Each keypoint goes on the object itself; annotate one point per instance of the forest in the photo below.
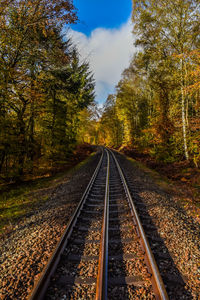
(156, 107)
(43, 85)
(47, 94)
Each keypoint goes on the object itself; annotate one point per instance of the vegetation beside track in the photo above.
(19, 199)
(185, 191)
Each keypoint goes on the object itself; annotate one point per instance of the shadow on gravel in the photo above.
(175, 284)
(73, 265)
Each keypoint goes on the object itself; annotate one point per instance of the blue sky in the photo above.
(101, 13)
(104, 39)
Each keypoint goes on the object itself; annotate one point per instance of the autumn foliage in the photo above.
(43, 85)
(156, 107)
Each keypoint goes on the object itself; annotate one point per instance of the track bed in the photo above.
(104, 253)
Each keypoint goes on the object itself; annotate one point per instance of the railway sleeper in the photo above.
(86, 229)
(128, 280)
(91, 200)
(149, 227)
(83, 218)
(82, 241)
(64, 280)
(122, 218)
(76, 257)
(121, 241)
(126, 256)
(93, 205)
(116, 229)
(121, 204)
(91, 212)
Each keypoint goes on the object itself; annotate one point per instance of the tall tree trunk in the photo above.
(183, 113)
(186, 96)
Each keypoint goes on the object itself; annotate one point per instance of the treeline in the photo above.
(43, 85)
(156, 107)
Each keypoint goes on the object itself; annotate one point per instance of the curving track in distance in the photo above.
(104, 253)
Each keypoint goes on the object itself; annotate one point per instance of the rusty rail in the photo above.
(102, 277)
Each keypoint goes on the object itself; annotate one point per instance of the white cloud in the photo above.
(109, 52)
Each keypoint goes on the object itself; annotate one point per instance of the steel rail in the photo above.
(102, 277)
(157, 282)
(41, 285)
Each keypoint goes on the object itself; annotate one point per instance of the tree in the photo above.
(164, 29)
(110, 127)
(43, 84)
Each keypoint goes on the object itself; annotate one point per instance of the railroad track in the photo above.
(104, 253)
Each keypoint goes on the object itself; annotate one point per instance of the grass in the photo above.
(19, 199)
(159, 179)
(186, 201)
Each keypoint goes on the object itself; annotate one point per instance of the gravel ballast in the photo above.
(26, 250)
(178, 230)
